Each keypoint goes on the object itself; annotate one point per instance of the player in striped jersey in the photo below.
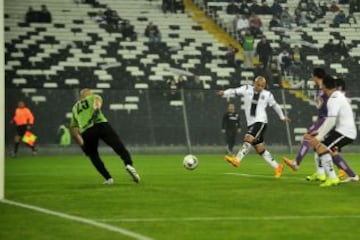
(256, 100)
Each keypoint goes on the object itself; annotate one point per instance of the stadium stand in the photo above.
(75, 51)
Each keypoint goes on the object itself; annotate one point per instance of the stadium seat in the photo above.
(299, 132)
(72, 81)
(176, 103)
(131, 107)
(50, 85)
(223, 83)
(28, 91)
(38, 99)
(103, 85)
(116, 106)
(134, 99)
(19, 81)
(141, 86)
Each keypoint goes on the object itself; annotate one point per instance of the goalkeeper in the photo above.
(89, 125)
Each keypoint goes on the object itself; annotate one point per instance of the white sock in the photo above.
(326, 161)
(319, 165)
(269, 159)
(244, 150)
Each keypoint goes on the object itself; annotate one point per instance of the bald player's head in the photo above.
(259, 83)
(85, 92)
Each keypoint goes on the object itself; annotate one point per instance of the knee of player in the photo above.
(260, 148)
(249, 138)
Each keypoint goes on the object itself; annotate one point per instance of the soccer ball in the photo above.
(190, 162)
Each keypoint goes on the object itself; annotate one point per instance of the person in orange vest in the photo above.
(23, 120)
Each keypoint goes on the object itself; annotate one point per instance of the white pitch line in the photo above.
(258, 176)
(206, 219)
(78, 219)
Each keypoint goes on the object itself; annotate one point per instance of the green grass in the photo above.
(174, 203)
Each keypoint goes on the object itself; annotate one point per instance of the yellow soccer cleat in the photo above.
(278, 171)
(232, 160)
(316, 177)
(330, 182)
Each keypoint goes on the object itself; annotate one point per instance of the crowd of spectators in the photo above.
(38, 16)
(172, 6)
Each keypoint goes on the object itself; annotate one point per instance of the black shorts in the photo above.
(257, 130)
(100, 131)
(335, 141)
(21, 129)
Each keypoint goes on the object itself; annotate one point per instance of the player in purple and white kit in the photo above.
(319, 175)
(337, 130)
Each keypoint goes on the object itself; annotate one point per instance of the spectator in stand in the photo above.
(301, 20)
(310, 17)
(31, 15)
(342, 49)
(232, 8)
(264, 51)
(351, 19)
(248, 46)
(153, 33)
(197, 84)
(172, 6)
(339, 18)
(99, 17)
(284, 61)
(274, 22)
(127, 31)
(286, 18)
(314, 9)
(44, 15)
(296, 61)
(255, 8)
(93, 3)
(181, 82)
(334, 7)
(242, 24)
(276, 8)
(173, 94)
(354, 6)
(329, 48)
(168, 5)
(244, 9)
(323, 8)
(179, 5)
(231, 56)
(112, 18)
(255, 25)
(264, 8)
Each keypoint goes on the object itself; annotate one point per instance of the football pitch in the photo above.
(62, 197)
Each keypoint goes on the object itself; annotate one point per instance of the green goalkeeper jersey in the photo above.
(83, 114)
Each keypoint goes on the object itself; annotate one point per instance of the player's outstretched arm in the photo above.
(75, 133)
(286, 119)
(220, 93)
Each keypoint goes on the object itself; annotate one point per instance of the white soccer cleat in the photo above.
(109, 181)
(351, 179)
(132, 171)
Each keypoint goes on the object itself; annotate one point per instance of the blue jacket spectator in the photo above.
(339, 18)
